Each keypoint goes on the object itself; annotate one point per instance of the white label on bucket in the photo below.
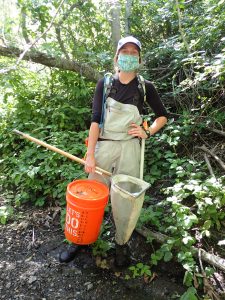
(71, 231)
(73, 222)
(73, 212)
(76, 222)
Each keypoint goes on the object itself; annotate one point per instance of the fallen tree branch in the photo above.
(216, 131)
(212, 259)
(159, 237)
(220, 162)
(208, 165)
(50, 61)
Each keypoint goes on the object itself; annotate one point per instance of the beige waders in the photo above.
(120, 152)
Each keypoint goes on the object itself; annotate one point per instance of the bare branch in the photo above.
(220, 162)
(208, 165)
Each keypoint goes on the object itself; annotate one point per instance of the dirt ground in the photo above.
(29, 266)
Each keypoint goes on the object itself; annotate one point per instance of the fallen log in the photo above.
(212, 259)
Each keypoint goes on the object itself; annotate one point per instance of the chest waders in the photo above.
(119, 153)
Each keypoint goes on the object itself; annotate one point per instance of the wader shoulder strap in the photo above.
(108, 82)
(141, 85)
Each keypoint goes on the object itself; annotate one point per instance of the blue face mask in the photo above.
(128, 63)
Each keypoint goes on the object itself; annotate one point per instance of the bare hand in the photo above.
(137, 131)
(90, 163)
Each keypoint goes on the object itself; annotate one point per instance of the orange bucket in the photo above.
(86, 200)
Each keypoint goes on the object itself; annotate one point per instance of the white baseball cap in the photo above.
(128, 39)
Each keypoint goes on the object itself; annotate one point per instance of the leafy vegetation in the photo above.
(42, 111)
(139, 270)
(183, 55)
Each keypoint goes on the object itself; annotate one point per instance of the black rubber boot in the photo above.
(69, 254)
(122, 256)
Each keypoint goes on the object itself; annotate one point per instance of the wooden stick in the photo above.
(203, 148)
(209, 165)
(53, 148)
(207, 257)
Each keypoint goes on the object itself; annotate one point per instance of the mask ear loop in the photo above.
(115, 63)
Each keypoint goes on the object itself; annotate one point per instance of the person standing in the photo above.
(116, 127)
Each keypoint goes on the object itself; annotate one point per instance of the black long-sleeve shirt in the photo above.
(125, 93)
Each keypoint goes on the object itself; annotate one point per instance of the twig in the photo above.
(209, 165)
(200, 261)
(33, 237)
(220, 162)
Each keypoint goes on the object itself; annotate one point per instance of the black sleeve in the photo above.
(154, 101)
(97, 102)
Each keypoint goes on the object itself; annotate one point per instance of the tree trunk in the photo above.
(115, 23)
(127, 16)
(50, 61)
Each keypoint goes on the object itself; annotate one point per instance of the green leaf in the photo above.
(168, 256)
(189, 294)
(148, 272)
(207, 224)
(188, 278)
(32, 172)
(3, 220)
(140, 265)
(188, 240)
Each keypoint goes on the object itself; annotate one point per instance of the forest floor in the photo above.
(29, 266)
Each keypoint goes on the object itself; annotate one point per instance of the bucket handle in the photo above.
(82, 173)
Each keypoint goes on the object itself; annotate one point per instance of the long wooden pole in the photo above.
(53, 148)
